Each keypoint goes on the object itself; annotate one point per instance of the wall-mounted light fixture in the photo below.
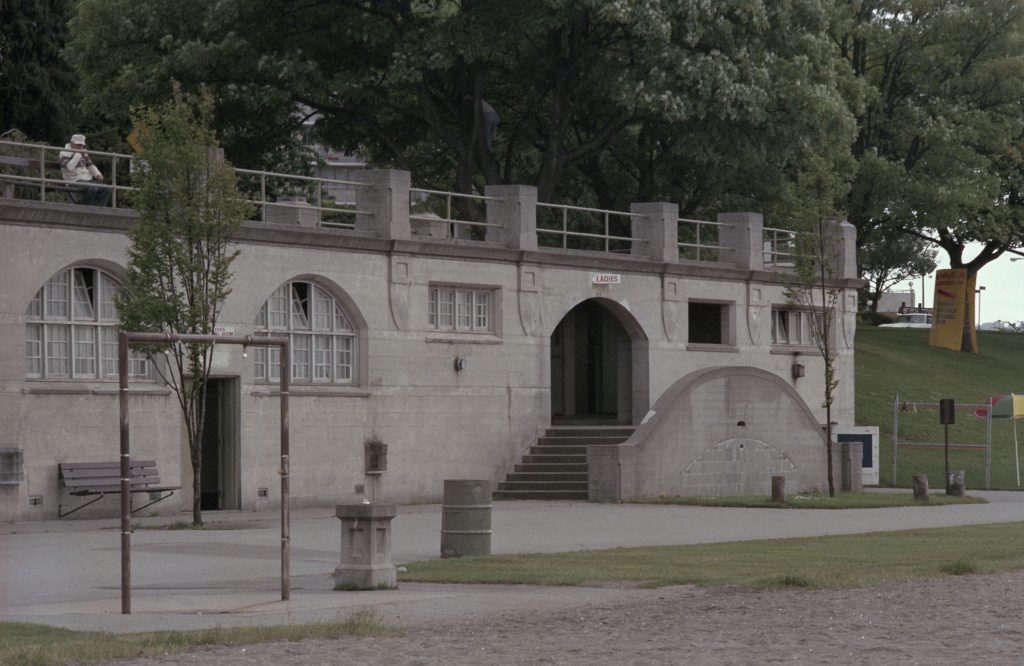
(797, 370)
(460, 364)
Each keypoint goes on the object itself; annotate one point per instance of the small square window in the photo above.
(12, 467)
(707, 323)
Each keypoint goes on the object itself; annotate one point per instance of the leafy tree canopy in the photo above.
(707, 104)
(38, 91)
(939, 144)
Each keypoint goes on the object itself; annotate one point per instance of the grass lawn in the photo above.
(899, 361)
(821, 501)
(36, 644)
(823, 562)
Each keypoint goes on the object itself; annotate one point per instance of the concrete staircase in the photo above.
(556, 466)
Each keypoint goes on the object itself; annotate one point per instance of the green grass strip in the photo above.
(24, 644)
(820, 501)
(847, 561)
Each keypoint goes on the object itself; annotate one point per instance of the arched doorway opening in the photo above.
(598, 366)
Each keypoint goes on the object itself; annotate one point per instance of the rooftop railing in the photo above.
(386, 206)
(699, 240)
(589, 229)
(441, 214)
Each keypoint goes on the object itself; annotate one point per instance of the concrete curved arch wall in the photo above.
(718, 431)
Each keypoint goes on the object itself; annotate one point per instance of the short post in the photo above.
(365, 547)
(920, 483)
(947, 417)
(658, 229)
(779, 489)
(466, 518)
(956, 483)
(514, 208)
(383, 204)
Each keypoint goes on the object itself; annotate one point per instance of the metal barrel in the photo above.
(466, 518)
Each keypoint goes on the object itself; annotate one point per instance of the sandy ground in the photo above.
(976, 619)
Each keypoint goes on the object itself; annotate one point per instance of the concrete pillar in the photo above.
(844, 235)
(745, 234)
(292, 210)
(365, 547)
(385, 202)
(659, 228)
(516, 212)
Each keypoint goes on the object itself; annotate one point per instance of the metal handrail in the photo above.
(772, 238)
(453, 223)
(605, 214)
(261, 198)
(701, 246)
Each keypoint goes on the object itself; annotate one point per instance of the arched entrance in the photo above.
(598, 366)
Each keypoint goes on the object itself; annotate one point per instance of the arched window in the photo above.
(321, 333)
(72, 328)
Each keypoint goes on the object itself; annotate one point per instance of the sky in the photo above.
(1003, 297)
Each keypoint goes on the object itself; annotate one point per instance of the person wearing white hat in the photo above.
(77, 167)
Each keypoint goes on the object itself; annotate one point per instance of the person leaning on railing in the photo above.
(76, 167)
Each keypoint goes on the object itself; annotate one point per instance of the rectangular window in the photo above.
(83, 295)
(455, 309)
(300, 357)
(343, 359)
(259, 366)
(707, 323)
(482, 308)
(107, 288)
(275, 362)
(85, 351)
(323, 307)
(57, 350)
(321, 357)
(108, 351)
(57, 296)
(446, 309)
(12, 467)
(35, 306)
(464, 310)
(34, 350)
(794, 327)
(138, 364)
(279, 308)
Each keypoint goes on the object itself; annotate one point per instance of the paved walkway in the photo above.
(67, 573)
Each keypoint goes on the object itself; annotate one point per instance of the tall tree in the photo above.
(38, 90)
(891, 259)
(940, 129)
(179, 261)
(705, 104)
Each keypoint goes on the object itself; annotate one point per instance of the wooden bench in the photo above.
(31, 169)
(104, 478)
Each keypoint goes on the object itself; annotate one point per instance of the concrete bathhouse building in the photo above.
(456, 350)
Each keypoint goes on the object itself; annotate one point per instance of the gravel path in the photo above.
(976, 619)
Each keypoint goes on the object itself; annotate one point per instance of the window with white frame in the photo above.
(71, 329)
(792, 327)
(461, 309)
(322, 338)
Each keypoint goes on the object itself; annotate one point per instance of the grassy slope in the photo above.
(899, 361)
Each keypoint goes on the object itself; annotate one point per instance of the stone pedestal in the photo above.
(955, 484)
(365, 547)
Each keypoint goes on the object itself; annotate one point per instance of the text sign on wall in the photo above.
(605, 278)
(221, 329)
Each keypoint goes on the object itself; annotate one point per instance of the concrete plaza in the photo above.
(67, 573)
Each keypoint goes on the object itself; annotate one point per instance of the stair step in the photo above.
(540, 494)
(581, 441)
(535, 468)
(547, 476)
(544, 458)
(551, 449)
(590, 431)
(543, 485)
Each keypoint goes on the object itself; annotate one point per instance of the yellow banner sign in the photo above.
(954, 308)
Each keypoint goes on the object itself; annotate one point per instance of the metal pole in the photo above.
(126, 512)
(895, 428)
(988, 447)
(945, 449)
(285, 484)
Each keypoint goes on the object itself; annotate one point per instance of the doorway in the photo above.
(592, 368)
(219, 477)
